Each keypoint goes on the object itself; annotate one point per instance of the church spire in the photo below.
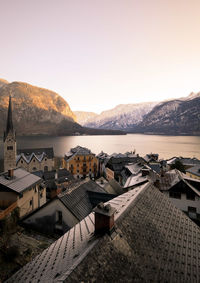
(9, 127)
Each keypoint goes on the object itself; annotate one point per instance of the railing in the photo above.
(8, 210)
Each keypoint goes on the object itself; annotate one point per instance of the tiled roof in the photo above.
(194, 170)
(135, 180)
(77, 200)
(79, 150)
(22, 180)
(37, 151)
(153, 242)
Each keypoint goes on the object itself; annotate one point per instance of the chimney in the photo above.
(104, 218)
(10, 173)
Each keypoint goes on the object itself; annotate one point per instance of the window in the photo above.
(78, 158)
(33, 160)
(77, 171)
(34, 169)
(41, 195)
(45, 168)
(175, 195)
(22, 162)
(59, 217)
(45, 159)
(190, 195)
(9, 147)
(31, 202)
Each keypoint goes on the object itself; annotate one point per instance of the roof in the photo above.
(78, 150)
(63, 175)
(134, 180)
(134, 168)
(113, 187)
(153, 242)
(48, 151)
(173, 177)
(184, 160)
(77, 200)
(22, 180)
(194, 170)
(156, 167)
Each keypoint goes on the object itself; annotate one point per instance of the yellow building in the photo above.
(81, 162)
(19, 188)
(194, 172)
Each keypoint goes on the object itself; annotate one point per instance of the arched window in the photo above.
(45, 168)
(34, 169)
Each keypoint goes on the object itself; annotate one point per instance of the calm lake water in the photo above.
(165, 146)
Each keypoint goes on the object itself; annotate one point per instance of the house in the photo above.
(152, 157)
(56, 181)
(81, 162)
(103, 159)
(117, 162)
(35, 159)
(181, 192)
(143, 238)
(21, 189)
(68, 208)
(194, 172)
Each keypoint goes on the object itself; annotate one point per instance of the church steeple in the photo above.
(9, 141)
(9, 127)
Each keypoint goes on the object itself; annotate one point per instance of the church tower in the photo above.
(9, 141)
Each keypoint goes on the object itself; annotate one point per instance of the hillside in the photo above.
(120, 117)
(39, 111)
(36, 110)
(178, 116)
(83, 116)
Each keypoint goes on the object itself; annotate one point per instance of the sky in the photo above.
(100, 53)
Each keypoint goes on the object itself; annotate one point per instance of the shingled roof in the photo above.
(153, 242)
(21, 181)
(39, 153)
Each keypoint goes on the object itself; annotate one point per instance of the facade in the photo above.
(35, 159)
(9, 141)
(181, 193)
(81, 162)
(22, 188)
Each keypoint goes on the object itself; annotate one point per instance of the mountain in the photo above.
(178, 116)
(3, 82)
(35, 110)
(39, 111)
(120, 117)
(83, 117)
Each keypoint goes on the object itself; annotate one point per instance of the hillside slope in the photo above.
(35, 110)
(179, 116)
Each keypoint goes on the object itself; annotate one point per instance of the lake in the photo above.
(165, 146)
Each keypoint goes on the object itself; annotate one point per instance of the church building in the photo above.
(30, 159)
(9, 142)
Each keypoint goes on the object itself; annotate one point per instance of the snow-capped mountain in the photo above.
(178, 116)
(121, 117)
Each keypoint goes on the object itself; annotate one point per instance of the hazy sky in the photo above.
(100, 53)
